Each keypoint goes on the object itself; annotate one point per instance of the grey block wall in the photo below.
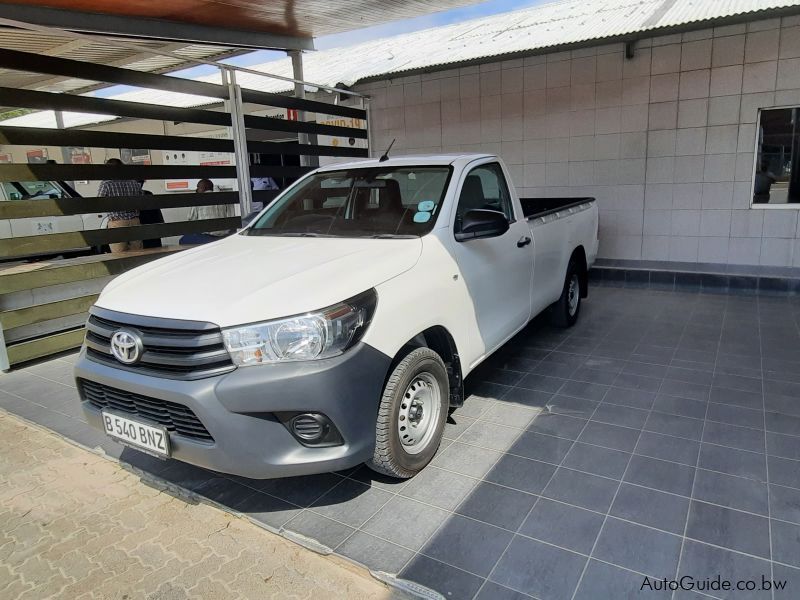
(665, 141)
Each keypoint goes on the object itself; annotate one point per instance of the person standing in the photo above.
(121, 218)
(202, 213)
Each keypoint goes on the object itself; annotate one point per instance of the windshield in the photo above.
(23, 190)
(370, 202)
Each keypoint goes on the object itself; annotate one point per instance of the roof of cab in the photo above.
(413, 160)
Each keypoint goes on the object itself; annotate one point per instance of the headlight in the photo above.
(314, 335)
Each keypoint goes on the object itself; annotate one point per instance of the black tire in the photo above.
(391, 457)
(563, 313)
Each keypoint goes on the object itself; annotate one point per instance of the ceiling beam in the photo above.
(139, 27)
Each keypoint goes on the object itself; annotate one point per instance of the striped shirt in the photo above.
(128, 187)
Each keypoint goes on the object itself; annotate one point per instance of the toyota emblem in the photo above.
(126, 346)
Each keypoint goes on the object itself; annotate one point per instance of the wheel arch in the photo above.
(441, 341)
(579, 256)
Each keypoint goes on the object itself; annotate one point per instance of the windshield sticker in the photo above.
(425, 206)
(422, 217)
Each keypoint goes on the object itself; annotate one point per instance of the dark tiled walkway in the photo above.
(660, 436)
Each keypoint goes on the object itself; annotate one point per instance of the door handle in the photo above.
(523, 241)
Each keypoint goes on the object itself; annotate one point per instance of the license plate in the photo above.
(139, 435)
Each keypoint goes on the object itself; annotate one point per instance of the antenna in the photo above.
(385, 156)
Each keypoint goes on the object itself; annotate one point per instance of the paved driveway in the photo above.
(658, 438)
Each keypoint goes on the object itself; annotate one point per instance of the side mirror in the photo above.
(480, 223)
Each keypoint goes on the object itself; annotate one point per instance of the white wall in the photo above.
(665, 141)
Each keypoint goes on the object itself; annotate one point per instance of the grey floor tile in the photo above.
(572, 406)
(631, 398)
(784, 503)
(468, 544)
(733, 462)
(610, 436)
(729, 528)
(525, 397)
(489, 435)
(667, 447)
(680, 406)
(737, 398)
(596, 376)
(351, 502)
(786, 543)
(301, 491)
(736, 415)
(596, 460)
(558, 425)
(737, 382)
(702, 558)
(620, 415)
(733, 436)
(784, 471)
(267, 509)
(466, 460)
(225, 491)
(542, 447)
(500, 376)
(682, 389)
(538, 569)
(690, 375)
(325, 531)
(521, 473)
(406, 522)
(651, 507)
(638, 548)
(563, 525)
(456, 425)
(786, 405)
(646, 369)
(497, 505)
(781, 423)
(730, 491)
(440, 488)
(581, 489)
(494, 591)
(375, 553)
(479, 396)
(660, 475)
(582, 389)
(447, 580)
(678, 426)
(543, 383)
(503, 413)
(637, 382)
(602, 581)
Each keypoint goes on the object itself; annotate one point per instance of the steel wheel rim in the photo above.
(573, 294)
(419, 412)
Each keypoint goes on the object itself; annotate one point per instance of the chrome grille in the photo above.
(175, 352)
(177, 418)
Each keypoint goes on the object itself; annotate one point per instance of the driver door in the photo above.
(496, 270)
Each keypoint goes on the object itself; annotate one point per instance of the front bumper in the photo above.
(238, 408)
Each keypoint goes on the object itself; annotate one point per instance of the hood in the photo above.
(244, 279)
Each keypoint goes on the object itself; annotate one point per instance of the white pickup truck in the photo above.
(337, 328)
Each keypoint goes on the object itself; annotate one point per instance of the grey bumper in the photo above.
(237, 410)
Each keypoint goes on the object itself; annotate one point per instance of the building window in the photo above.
(777, 170)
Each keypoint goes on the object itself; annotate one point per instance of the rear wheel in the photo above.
(565, 310)
(412, 414)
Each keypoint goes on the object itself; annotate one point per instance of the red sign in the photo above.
(291, 114)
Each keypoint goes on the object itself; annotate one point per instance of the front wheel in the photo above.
(412, 415)
(565, 310)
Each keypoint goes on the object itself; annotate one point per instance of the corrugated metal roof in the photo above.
(533, 29)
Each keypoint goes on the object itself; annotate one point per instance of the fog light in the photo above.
(310, 427)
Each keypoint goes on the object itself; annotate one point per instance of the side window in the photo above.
(484, 188)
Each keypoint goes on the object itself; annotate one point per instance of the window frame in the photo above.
(751, 192)
(502, 174)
